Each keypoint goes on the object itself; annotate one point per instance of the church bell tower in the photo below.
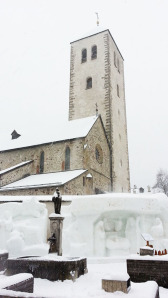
(97, 80)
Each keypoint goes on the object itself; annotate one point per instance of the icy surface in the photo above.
(112, 224)
(23, 228)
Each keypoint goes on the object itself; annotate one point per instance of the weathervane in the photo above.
(97, 18)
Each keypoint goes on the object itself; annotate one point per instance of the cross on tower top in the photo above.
(97, 18)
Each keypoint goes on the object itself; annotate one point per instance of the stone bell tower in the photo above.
(97, 79)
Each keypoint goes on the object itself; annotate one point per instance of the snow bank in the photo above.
(6, 281)
(23, 228)
(112, 224)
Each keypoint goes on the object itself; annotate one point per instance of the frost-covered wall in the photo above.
(107, 225)
(23, 228)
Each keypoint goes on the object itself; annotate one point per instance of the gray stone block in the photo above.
(3, 259)
(116, 285)
(146, 251)
(141, 270)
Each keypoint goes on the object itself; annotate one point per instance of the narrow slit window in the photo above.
(118, 91)
(84, 55)
(118, 65)
(94, 52)
(42, 162)
(89, 83)
(115, 64)
(67, 158)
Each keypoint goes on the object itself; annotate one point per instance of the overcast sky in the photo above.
(35, 38)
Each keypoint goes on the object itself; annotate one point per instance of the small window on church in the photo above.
(84, 55)
(67, 158)
(83, 181)
(89, 83)
(115, 59)
(118, 65)
(118, 91)
(42, 162)
(94, 52)
(99, 153)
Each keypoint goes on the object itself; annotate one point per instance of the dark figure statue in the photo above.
(57, 202)
(52, 241)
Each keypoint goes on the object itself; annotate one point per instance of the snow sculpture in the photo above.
(23, 228)
(112, 224)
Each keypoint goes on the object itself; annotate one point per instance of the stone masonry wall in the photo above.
(15, 174)
(108, 91)
(54, 161)
(29, 191)
(82, 101)
(144, 270)
(120, 162)
(100, 171)
(54, 156)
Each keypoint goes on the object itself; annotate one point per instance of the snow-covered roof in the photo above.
(69, 130)
(15, 167)
(44, 180)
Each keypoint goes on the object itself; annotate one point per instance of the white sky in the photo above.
(35, 60)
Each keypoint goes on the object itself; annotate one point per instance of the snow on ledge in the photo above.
(146, 247)
(148, 258)
(117, 276)
(54, 215)
(15, 167)
(7, 281)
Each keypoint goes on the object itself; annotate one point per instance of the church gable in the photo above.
(97, 156)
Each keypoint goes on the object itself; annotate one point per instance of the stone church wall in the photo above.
(73, 187)
(82, 102)
(82, 156)
(108, 91)
(54, 158)
(95, 137)
(15, 174)
(100, 168)
(120, 162)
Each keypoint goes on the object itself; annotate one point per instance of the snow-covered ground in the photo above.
(89, 285)
(99, 227)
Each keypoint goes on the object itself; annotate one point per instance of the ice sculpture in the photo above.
(23, 228)
(111, 224)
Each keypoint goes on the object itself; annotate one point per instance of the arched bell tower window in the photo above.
(42, 162)
(94, 52)
(89, 83)
(67, 158)
(84, 55)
